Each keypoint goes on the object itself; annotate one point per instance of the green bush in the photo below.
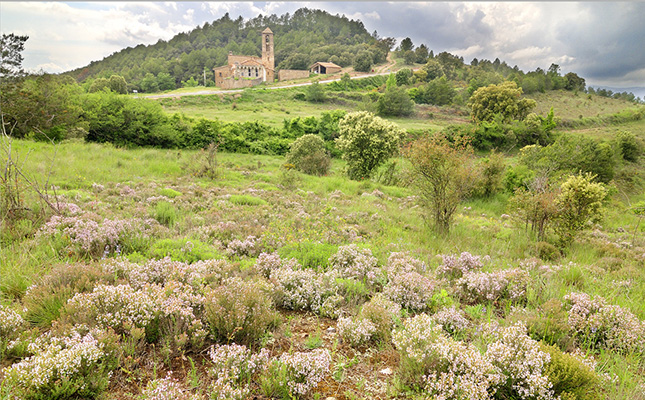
(629, 146)
(308, 154)
(183, 250)
(571, 379)
(579, 202)
(165, 213)
(239, 311)
(395, 102)
(547, 252)
(170, 193)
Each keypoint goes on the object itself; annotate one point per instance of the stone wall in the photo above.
(290, 74)
(239, 83)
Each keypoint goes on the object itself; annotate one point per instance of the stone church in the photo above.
(247, 71)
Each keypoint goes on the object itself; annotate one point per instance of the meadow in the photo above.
(268, 283)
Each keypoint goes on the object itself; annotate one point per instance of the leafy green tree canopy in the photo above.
(504, 99)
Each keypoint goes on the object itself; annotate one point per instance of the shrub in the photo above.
(395, 102)
(299, 372)
(443, 175)
(410, 290)
(10, 322)
(598, 324)
(266, 263)
(451, 320)
(165, 389)
(401, 263)
(234, 368)
(547, 251)
(301, 289)
(383, 314)
(309, 155)
(570, 376)
(354, 263)
(69, 367)
(355, 331)
(478, 287)
(366, 142)
(165, 213)
(504, 99)
(248, 247)
(239, 311)
(629, 146)
(491, 173)
(454, 268)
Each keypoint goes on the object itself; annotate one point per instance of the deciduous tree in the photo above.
(504, 99)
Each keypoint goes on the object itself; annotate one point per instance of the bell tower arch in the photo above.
(268, 57)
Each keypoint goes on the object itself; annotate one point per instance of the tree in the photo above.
(443, 175)
(11, 48)
(395, 102)
(117, 84)
(433, 69)
(308, 155)
(363, 61)
(406, 45)
(574, 82)
(315, 93)
(345, 80)
(409, 57)
(403, 76)
(366, 142)
(98, 85)
(504, 99)
(421, 54)
(165, 81)
(579, 202)
(149, 83)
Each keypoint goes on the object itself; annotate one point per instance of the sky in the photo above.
(601, 41)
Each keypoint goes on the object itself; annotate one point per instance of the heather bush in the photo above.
(166, 389)
(443, 367)
(384, 314)
(234, 368)
(401, 263)
(68, 367)
(302, 289)
(240, 311)
(295, 375)
(598, 324)
(454, 267)
(267, 262)
(355, 263)
(521, 362)
(452, 320)
(308, 154)
(480, 287)
(411, 290)
(10, 322)
(356, 331)
(571, 378)
(248, 247)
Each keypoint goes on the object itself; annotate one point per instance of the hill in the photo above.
(305, 37)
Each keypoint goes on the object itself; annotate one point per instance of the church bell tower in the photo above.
(268, 58)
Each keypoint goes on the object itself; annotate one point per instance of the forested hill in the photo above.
(301, 39)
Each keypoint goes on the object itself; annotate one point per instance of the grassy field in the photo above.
(216, 232)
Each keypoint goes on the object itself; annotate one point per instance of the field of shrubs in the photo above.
(175, 274)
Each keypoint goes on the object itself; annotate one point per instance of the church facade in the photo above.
(247, 71)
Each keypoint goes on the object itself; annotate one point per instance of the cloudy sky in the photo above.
(601, 41)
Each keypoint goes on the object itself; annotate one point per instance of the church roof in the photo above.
(250, 61)
(267, 30)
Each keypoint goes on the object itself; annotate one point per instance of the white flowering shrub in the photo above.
(234, 367)
(268, 262)
(10, 323)
(351, 262)
(247, 247)
(411, 290)
(598, 324)
(87, 236)
(239, 310)
(355, 331)
(73, 366)
(401, 263)
(304, 371)
(165, 389)
(452, 320)
(302, 289)
(444, 367)
(521, 362)
(479, 287)
(454, 267)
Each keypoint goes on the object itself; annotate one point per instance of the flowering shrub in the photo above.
(452, 320)
(234, 367)
(85, 235)
(401, 263)
(301, 289)
(410, 290)
(165, 389)
(239, 311)
(355, 331)
(73, 366)
(521, 362)
(239, 248)
(446, 368)
(10, 322)
(455, 268)
(597, 323)
(477, 287)
(268, 262)
(383, 313)
(355, 263)
(304, 370)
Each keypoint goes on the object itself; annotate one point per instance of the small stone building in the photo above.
(325, 68)
(246, 71)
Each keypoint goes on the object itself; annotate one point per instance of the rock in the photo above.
(386, 371)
